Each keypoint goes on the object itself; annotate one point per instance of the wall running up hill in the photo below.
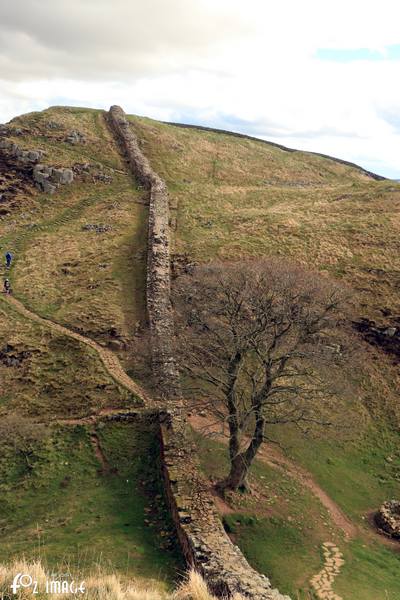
(204, 542)
(158, 258)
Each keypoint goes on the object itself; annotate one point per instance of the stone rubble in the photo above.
(75, 137)
(23, 156)
(97, 227)
(388, 518)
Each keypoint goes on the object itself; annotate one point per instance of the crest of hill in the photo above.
(281, 146)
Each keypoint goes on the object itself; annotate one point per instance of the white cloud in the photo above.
(251, 65)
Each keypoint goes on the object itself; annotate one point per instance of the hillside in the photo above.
(79, 260)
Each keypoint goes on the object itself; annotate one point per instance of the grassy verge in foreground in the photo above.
(60, 505)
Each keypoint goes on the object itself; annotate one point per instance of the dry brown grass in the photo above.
(90, 281)
(100, 586)
(241, 198)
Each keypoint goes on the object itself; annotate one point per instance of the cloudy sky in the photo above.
(320, 75)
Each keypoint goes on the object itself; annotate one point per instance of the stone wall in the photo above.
(158, 259)
(203, 540)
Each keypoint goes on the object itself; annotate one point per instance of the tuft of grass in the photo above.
(99, 585)
(63, 506)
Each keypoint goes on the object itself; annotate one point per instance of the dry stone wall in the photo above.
(158, 258)
(203, 540)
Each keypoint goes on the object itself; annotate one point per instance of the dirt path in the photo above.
(272, 456)
(322, 581)
(108, 358)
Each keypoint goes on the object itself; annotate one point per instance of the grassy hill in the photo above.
(80, 261)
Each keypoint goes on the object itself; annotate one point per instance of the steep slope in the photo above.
(236, 198)
(86, 493)
(79, 259)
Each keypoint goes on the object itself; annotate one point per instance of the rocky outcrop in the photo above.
(48, 179)
(158, 259)
(388, 518)
(203, 540)
(386, 337)
(45, 177)
(75, 137)
(24, 156)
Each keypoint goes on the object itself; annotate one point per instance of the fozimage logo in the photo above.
(50, 586)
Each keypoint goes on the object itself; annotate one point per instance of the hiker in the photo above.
(7, 286)
(8, 259)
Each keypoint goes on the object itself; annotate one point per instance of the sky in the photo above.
(318, 75)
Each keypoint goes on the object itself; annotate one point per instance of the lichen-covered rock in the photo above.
(388, 518)
(53, 125)
(24, 156)
(75, 137)
(49, 178)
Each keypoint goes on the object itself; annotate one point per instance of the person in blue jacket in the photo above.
(8, 259)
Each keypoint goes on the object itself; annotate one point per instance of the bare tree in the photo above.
(261, 344)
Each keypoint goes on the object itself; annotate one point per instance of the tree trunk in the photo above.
(237, 478)
(240, 464)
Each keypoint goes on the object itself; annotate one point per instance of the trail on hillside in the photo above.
(108, 358)
(271, 455)
(322, 581)
(98, 451)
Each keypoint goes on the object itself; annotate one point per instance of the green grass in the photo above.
(281, 527)
(233, 199)
(371, 572)
(240, 198)
(56, 376)
(358, 475)
(63, 510)
(91, 282)
(287, 558)
(60, 507)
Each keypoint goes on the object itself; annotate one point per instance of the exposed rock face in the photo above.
(24, 156)
(16, 184)
(388, 518)
(204, 542)
(386, 337)
(12, 357)
(48, 179)
(75, 137)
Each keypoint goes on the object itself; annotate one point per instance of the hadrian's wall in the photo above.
(203, 540)
(158, 258)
